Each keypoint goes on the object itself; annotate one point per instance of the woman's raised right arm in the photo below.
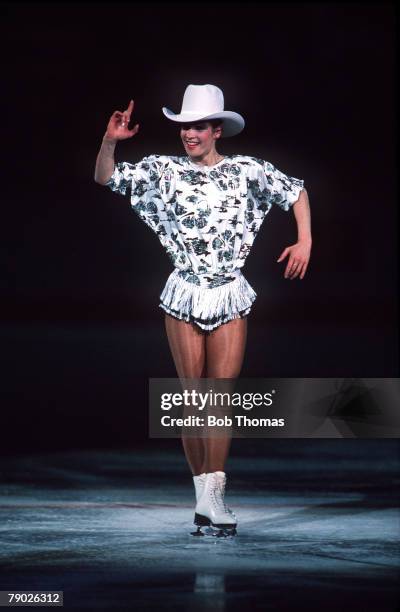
(117, 129)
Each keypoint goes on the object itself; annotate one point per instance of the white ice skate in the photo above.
(199, 486)
(211, 510)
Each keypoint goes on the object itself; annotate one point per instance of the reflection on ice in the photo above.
(210, 592)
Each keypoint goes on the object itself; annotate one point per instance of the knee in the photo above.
(223, 372)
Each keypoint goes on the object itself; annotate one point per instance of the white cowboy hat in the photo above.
(204, 102)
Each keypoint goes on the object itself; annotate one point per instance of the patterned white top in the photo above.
(206, 217)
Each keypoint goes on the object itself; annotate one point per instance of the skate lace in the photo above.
(218, 493)
(226, 508)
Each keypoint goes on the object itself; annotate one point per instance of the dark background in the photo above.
(81, 329)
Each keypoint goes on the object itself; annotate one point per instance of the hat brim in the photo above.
(233, 123)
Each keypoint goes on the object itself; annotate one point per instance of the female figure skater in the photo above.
(206, 209)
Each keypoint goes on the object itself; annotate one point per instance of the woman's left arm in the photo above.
(299, 253)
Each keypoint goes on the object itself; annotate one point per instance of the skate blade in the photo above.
(224, 532)
(215, 532)
(197, 533)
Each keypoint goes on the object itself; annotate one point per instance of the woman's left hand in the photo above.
(299, 256)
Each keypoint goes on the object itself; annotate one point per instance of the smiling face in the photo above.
(199, 138)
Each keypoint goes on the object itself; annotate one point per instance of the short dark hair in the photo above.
(216, 122)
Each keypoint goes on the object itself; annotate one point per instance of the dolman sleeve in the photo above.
(141, 183)
(283, 190)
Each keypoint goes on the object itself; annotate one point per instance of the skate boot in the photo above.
(198, 487)
(211, 511)
(222, 482)
(199, 484)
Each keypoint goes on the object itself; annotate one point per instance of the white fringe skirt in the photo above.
(208, 299)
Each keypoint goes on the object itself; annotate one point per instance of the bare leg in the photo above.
(225, 348)
(187, 344)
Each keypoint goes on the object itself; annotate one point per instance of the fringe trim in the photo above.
(208, 308)
(206, 327)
